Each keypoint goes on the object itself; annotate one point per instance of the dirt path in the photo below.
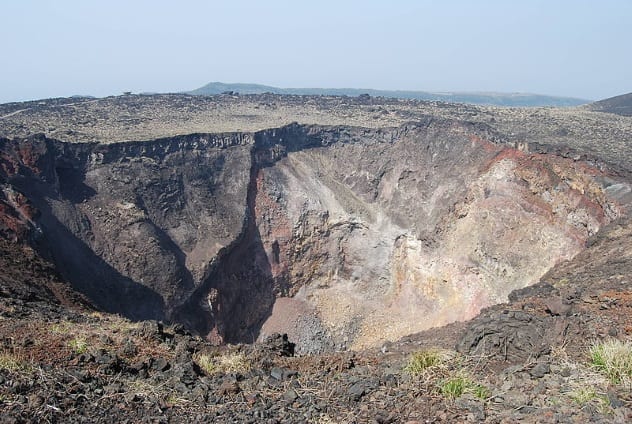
(13, 113)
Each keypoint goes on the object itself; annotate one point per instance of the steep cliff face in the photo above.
(342, 237)
(134, 225)
(395, 232)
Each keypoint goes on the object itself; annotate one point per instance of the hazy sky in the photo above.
(54, 48)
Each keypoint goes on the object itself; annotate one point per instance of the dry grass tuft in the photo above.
(459, 384)
(230, 362)
(14, 362)
(584, 396)
(428, 360)
(613, 358)
(423, 360)
(445, 372)
(78, 345)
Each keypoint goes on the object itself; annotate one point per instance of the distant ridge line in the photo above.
(620, 105)
(491, 99)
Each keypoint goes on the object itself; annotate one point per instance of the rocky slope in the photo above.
(525, 361)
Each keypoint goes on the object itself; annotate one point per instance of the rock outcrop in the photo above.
(342, 237)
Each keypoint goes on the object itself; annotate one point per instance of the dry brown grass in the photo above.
(613, 358)
(228, 362)
(11, 362)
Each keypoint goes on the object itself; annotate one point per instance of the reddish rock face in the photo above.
(377, 240)
(16, 215)
(342, 237)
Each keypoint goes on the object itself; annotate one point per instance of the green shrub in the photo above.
(454, 387)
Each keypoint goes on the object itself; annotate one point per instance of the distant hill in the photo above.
(621, 105)
(497, 99)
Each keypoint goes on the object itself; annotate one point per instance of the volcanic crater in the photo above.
(343, 237)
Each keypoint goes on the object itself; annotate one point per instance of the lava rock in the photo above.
(555, 306)
(540, 370)
(472, 405)
(280, 344)
(282, 373)
(357, 390)
(228, 387)
(290, 395)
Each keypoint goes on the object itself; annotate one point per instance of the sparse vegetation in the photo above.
(588, 396)
(162, 392)
(146, 389)
(205, 362)
(460, 384)
(423, 360)
(150, 391)
(61, 327)
(175, 400)
(445, 371)
(481, 392)
(79, 345)
(583, 395)
(13, 362)
(562, 282)
(584, 384)
(613, 358)
(119, 324)
(454, 387)
(230, 362)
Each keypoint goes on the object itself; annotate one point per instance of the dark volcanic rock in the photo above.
(123, 213)
(540, 370)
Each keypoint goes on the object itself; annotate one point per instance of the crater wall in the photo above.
(342, 237)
